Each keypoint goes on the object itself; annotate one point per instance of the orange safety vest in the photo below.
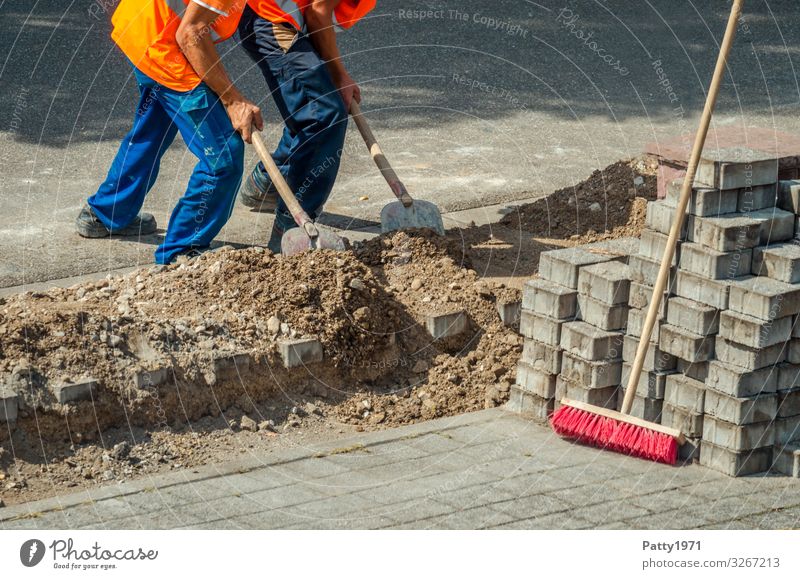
(145, 31)
(345, 15)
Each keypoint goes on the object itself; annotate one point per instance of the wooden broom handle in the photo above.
(287, 195)
(377, 155)
(683, 202)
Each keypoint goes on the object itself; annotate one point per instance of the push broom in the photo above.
(619, 431)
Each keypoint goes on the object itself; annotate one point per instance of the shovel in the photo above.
(307, 235)
(406, 212)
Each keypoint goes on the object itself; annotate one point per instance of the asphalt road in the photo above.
(475, 102)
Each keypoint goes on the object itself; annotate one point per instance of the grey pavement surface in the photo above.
(489, 469)
(471, 112)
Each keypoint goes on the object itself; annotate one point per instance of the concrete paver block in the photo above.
(535, 381)
(650, 385)
(561, 266)
(591, 373)
(685, 393)
(523, 402)
(764, 298)
(446, 325)
(540, 327)
(737, 437)
(787, 430)
(761, 408)
(9, 405)
(780, 262)
(786, 460)
(653, 244)
(725, 233)
(300, 352)
(793, 351)
(789, 195)
(649, 409)
(754, 332)
(645, 271)
(776, 225)
(713, 264)
(692, 316)
(607, 282)
(660, 215)
(697, 287)
(589, 342)
(232, 365)
(741, 383)
(635, 325)
(695, 370)
(149, 378)
(738, 175)
(601, 314)
(603, 397)
(655, 360)
(550, 299)
(705, 201)
(734, 354)
(788, 403)
(759, 197)
(690, 450)
(788, 376)
(686, 345)
(509, 313)
(733, 463)
(80, 391)
(542, 356)
(689, 423)
(640, 296)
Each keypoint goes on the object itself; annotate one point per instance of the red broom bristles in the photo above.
(616, 435)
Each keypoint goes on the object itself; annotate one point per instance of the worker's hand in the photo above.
(244, 115)
(348, 89)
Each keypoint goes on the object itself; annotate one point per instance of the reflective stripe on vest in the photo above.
(179, 8)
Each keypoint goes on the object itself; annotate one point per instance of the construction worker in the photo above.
(293, 42)
(184, 88)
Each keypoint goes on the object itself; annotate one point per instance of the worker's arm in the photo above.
(194, 39)
(319, 20)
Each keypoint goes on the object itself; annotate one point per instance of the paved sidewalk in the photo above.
(489, 469)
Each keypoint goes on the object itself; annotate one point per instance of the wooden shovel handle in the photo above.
(298, 213)
(377, 155)
(683, 202)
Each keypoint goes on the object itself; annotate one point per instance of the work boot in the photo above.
(88, 225)
(274, 243)
(258, 192)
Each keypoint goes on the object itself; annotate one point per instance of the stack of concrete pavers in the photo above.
(563, 352)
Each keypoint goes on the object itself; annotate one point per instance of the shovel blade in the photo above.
(296, 240)
(422, 214)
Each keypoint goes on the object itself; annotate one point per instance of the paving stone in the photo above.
(733, 232)
(786, 460)
(690, 450)
(685, 393)
(300, 352)
(588, 342)
(705, 201)
(713, 264)
(796, 327)
(737, 437)
(793, 351)
(754, 332)
(780, 262)
(650, 385)
(788, 403)
(640, 296)
(606, 282)
(789, 195)
(689, 423)
(787, 430)
(591, 373)
(692, 316)
(645, 271)
(509, 313)
(776, 225)
(761, 408)
(642, 407)
(738, 175)
(764, 298)
(446, 325)
(603, 397)
(686, 345)
(759, 197)
(655, 360)
(536, 381)
(550, 299)
(653, 244)
(541, 328)
(561, 266)
(735, 354)
(75, 392)
(144, 379)
(635, 325)
(9, 405)
(523, 402)
(231, 366)
(601, 314)
(542, 356)
(696, 370)
(697, 287)
(788, 376)
(741, 383)
(660, 215)
(735, 463)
